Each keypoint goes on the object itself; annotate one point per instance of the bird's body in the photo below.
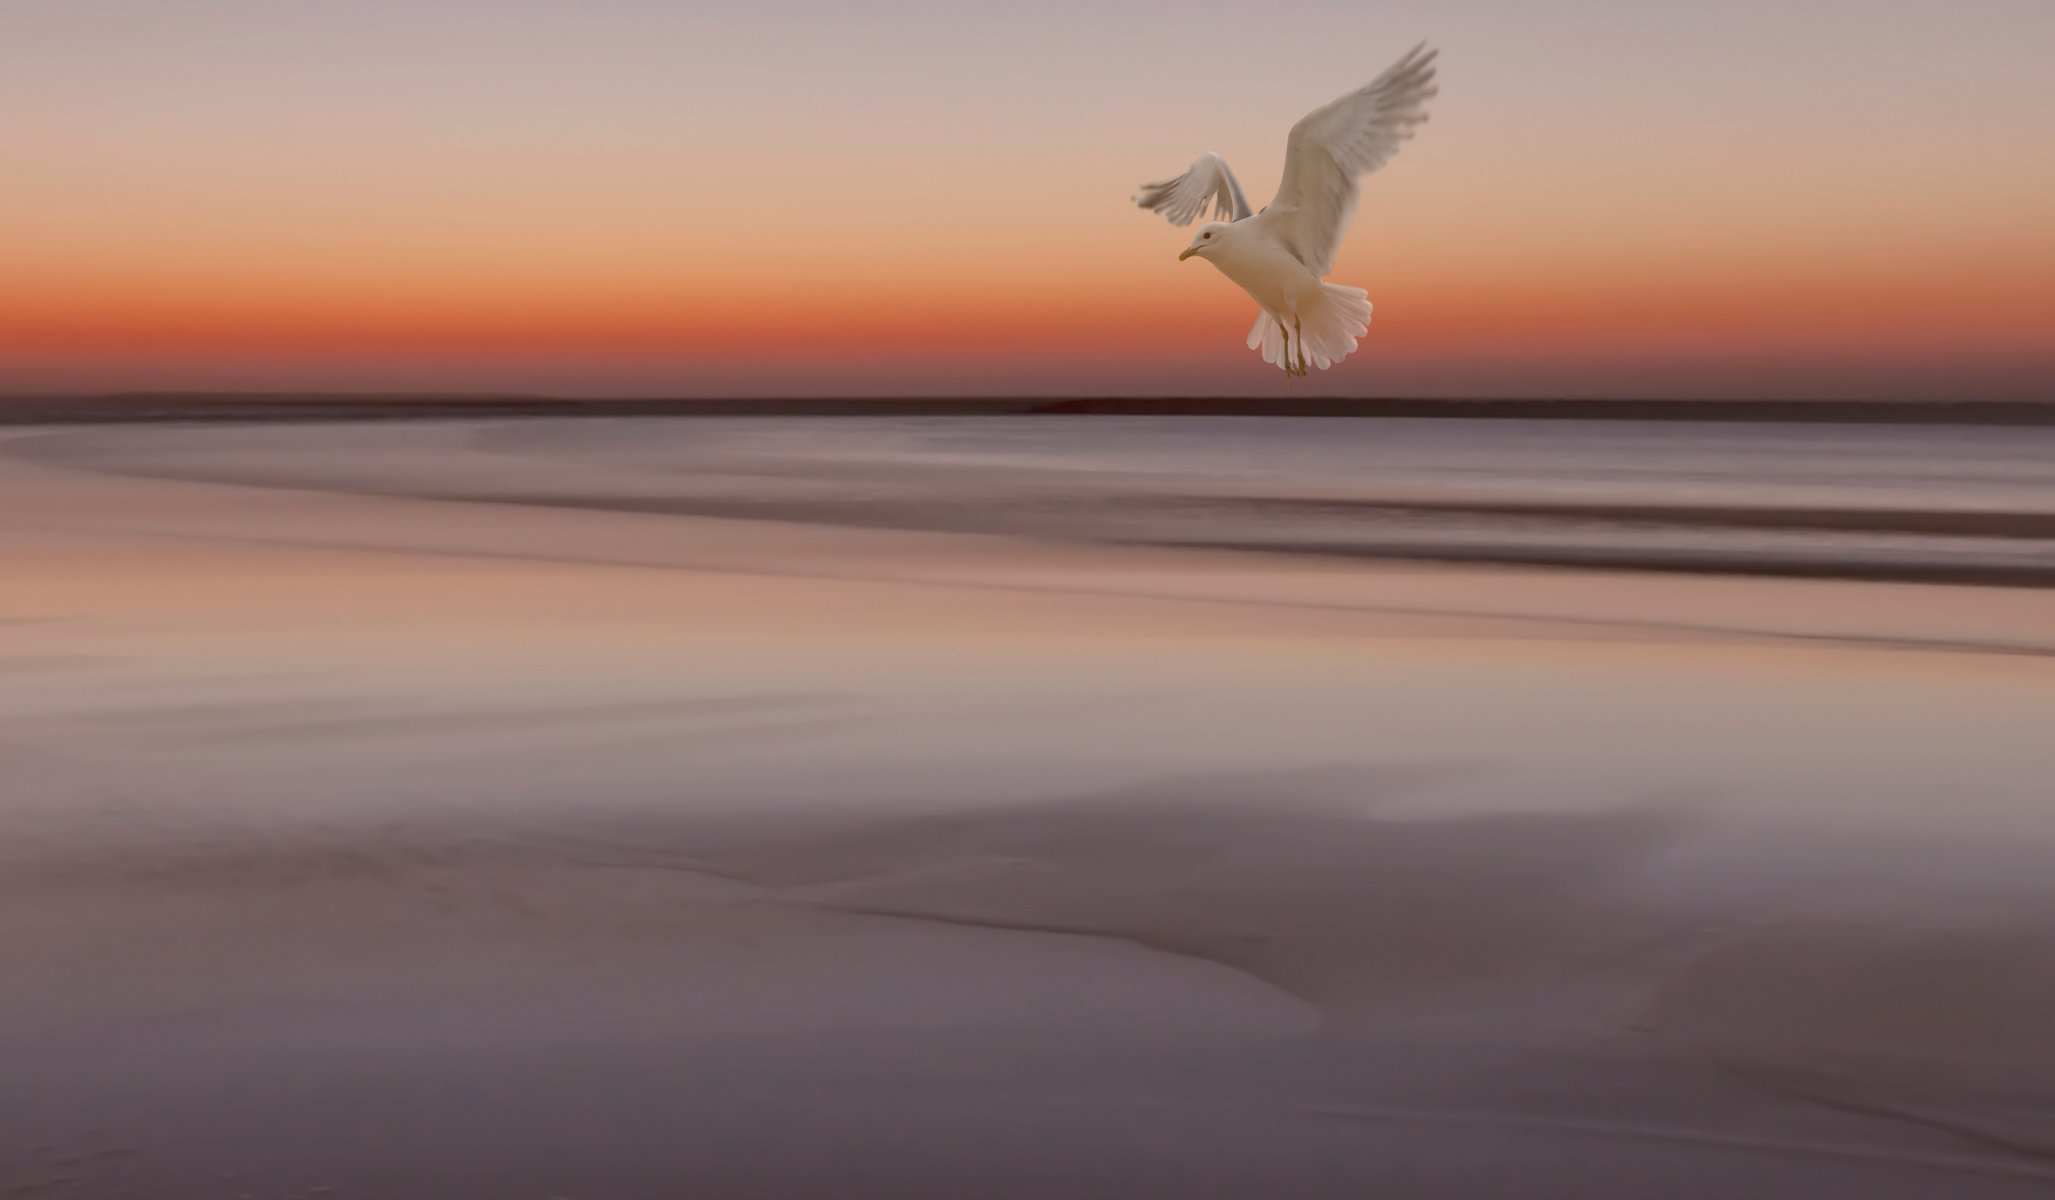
(1250, 253)
(1281, 255)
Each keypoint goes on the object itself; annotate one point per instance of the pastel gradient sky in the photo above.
(1614, 197)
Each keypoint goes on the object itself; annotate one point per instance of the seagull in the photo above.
(1281, 255)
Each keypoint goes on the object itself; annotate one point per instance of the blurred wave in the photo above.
(1961, 504)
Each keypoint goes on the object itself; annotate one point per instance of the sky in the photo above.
(1808, 198)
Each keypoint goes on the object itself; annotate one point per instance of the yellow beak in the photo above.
(1188, 252)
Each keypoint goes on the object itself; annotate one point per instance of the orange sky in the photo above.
(1788, 199)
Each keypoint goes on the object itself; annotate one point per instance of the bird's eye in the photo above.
(1205, 237)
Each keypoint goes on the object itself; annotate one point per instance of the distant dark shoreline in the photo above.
(216, 407)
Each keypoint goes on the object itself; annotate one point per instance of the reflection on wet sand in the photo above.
(941, 836)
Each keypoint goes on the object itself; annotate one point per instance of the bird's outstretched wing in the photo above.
(1333, 146)
(1207, 181)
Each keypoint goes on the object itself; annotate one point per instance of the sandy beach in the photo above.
(1025, 807)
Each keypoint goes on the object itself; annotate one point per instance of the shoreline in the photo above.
(171, 407)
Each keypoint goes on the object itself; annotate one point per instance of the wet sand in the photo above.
(367, 835)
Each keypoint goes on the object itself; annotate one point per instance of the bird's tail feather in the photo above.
(1267, 337)
(1331, 321)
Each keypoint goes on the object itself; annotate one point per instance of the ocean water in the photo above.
(1083, 807)
(1943, 503)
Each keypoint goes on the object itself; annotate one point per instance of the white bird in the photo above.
(1281, 255)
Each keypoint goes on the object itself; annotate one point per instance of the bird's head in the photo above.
(1206, 240)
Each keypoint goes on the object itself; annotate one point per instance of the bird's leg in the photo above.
(1302, 344)
(1286, 362)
